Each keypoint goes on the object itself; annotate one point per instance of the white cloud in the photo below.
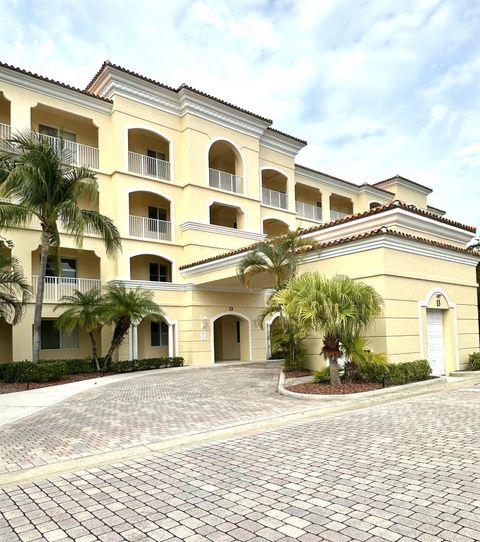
(377, 88)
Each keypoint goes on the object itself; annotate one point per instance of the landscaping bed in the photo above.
(12, 387)
(326, 389)
(298, 374)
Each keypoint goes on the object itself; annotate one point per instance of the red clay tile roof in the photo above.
(350, 239)
(58, 83)
(405, 179)
(270, 129)
(377, 210)
(176, 90)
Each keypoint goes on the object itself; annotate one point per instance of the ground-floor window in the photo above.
(159, 333)
(54, 339)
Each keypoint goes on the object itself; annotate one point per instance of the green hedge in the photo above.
(474, 362)
(51, 370)
(396, 373)
(128, 366)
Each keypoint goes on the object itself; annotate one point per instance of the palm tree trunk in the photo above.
(119, 333)
(331, 351)
(334, 372)
(37, 318)
(94, 349)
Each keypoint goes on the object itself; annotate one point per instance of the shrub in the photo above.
(392, 374)
(26, 371)
(128, 366)
(321, 377)
(474, 362)
(76, 366)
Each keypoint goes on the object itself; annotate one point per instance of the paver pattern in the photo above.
(401, 472)
(147, 409)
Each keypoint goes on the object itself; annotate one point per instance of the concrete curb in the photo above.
(395, 391)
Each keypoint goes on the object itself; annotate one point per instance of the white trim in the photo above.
(451, 306)
(171, 150)
(184, 287)
(405, 183)
(157, 254)
(222, 230)
(281, 143)
(236, 151)
(212, 333)
(172, 213)
(268, 324)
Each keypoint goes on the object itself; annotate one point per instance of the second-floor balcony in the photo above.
(308, 211)
(274, 198)
(336, 215)
(5, 133)
(148, 166)
(150, 228)
(74, 153)
(225, 181)
(58, 287)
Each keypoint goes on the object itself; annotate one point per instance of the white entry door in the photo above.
(435, 341)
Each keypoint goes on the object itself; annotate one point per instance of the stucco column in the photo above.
(135, 341)
(268, 341)
(20, 114)
(130, 343)
(326, 206)
(171, 349)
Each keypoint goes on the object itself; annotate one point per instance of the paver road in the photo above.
(405, 471)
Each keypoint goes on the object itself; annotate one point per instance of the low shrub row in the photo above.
(51, 370)
(474, 362)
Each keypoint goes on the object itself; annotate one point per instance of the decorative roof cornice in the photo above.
(281, 142)
(412, 185)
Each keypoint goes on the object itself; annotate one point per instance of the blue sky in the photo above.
(375, 87)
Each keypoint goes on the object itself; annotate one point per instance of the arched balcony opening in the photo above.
(148, 154)
(150, 267)
(374, 204)
(308, 202)
(149, 216)
(76, 270)
(274, 189)
(5, 128)
(340, 206)
(226, 216)
(79, 134)
(231, 338)
(274, 228)
(225, 167)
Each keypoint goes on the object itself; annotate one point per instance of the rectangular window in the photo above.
(68, 267)
(156, 154)
(157, 213)
(54, 339)
(55, 132)
(159, 334)
(158, 272)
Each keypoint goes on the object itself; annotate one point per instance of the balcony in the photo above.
(58, 287)
(74, 153)
(150, 228)
(225, 181)
(274, 198)
(306, 210)
(5, 133)
(148, 166)
(336, 215)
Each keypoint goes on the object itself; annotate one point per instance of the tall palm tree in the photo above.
(38, 181)
(122, 307)
(82, 310)
(277, 258)
(340, 308)
(14, 289)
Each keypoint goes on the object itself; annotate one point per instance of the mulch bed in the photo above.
(326, 389)
(6, 387)
(297, 374)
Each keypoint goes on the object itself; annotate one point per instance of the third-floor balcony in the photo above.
(148, 166)
(74, 153)
(308, 211)
(150, 228)
(274, 198)
(225, 181)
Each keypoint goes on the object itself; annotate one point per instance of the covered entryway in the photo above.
(231, 338)
(435, 341)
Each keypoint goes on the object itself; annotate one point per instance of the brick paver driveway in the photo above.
(403, 471)
(144, 410)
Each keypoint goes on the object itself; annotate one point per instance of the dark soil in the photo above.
(6, 387)
(326, 389)
(297, 374)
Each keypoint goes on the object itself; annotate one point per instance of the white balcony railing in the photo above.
(225, 181)
(150, 228)
(57, 287)
(335, 215)
(5, 133)
(75, 153)
(146, 165)
(274, 198)
(307, 210)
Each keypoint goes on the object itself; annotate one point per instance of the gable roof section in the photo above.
(390, 180)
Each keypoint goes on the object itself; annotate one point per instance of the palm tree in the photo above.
(340, 308)
(82, 310)
(122, 307)
(38, 181)
(278, 258)
(14, 289)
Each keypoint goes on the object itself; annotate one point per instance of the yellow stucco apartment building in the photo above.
(191, 183)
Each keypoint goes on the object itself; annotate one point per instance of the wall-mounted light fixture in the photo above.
(204, 323)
